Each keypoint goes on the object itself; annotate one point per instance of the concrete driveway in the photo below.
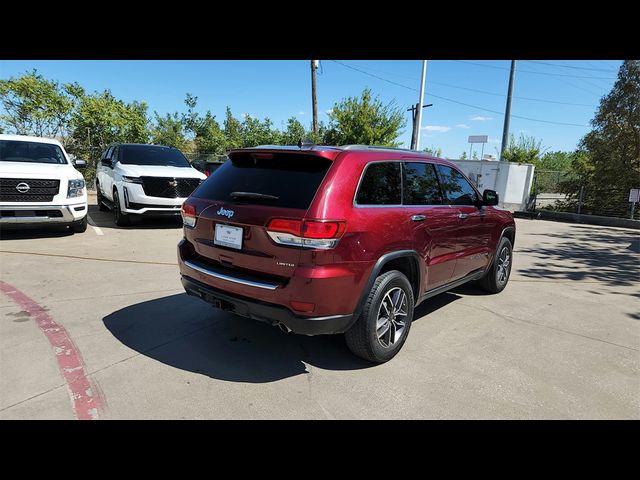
(96, 325)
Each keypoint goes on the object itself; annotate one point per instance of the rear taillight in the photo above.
(188, 215)
(306, 233)
(207, 173)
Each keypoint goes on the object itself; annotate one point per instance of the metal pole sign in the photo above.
(634, 197)
(477, 139)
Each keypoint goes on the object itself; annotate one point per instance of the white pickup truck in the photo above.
(39, 184)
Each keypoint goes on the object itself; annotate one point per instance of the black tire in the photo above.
(496, 278)
(101, 206)
(121, 219)
(80, 226)
(362, 338)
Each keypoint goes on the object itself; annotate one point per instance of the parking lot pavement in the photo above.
(562, 341)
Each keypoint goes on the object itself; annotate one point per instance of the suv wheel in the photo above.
(101, 206)
(383, 326)
(80, 226)
(121, 219)
(498, 275)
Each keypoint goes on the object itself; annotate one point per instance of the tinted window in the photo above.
(152, 155)
(380, 185)
(31, 152)
(421, 184)
(456, 188)
(114, 155)
(292, 178)
(107, 153)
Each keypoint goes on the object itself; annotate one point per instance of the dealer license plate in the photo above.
(228, 236)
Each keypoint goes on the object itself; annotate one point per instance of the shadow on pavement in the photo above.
(186, 333)
(105, 220)
(586, 253)
(25, 233)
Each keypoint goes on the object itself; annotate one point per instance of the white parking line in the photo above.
(93, 225)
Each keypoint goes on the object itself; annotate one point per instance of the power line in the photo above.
(470, 89)
(607, 70)
(532, 71)
(456, 101)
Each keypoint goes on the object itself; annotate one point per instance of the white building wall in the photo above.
(512, 181)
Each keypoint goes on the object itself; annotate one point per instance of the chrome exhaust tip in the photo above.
(283, 327)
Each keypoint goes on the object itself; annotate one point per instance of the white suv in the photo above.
(134, 179)
(39, 184)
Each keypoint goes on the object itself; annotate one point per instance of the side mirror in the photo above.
(106, 162)
(80, 164)
(489, 198)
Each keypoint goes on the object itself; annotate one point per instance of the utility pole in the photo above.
(414, 125)
(507, 113)
(420, 100)
(314, 67)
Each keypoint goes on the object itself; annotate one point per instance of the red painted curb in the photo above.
(86, 397)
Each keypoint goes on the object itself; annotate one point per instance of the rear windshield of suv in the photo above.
(31, 152)
(285, 180)
(152, 155)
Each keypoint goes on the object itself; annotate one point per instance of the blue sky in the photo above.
(279, 89)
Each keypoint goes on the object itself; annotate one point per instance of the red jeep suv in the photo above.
(324, 240)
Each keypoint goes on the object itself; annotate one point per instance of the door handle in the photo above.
(463, 215)
(418, 218)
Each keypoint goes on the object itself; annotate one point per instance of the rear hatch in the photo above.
(246, 193)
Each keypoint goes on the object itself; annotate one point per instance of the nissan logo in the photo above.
(23, 187)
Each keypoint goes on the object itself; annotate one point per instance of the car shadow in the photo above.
(186, 333)
(25, 233)
(105, 220)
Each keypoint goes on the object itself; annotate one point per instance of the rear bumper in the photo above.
(42, 214)
(266, 312)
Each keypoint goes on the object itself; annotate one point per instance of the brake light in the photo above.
(312, 229)
(188, 215)
(294, 227)
(207, 173)
(306, 233)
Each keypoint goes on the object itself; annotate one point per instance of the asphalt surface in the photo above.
(561, 341)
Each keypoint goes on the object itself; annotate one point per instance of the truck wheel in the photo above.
(121, 219)
(101, 206)
(383, 326)
(498, 275)
(80, 226)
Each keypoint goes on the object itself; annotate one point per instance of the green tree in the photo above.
(294, 132)
(365, 120)
(435, 151)
(101, 119)
(557, 161)
(256, 132)
(205, 130)
(525, 150)
(36, 106)
(463, 156)
(232, 131)
(168, 130)
(607, 164)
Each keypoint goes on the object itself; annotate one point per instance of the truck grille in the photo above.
(169, 187)
(38, 190)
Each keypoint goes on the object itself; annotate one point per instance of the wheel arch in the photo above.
(405, 261)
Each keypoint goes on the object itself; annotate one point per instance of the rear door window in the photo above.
(421, 184)
(381, 185)
(281, 180)
(456, 188)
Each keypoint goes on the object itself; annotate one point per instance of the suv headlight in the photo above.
(76, 188)
(131, 179)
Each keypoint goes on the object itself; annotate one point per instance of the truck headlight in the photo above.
(76, 188)
(131, 179)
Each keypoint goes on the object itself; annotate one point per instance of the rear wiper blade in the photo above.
(253, 195)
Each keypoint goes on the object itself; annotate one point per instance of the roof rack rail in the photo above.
(375, 147)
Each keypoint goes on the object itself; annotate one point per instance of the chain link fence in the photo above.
(547, 194)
